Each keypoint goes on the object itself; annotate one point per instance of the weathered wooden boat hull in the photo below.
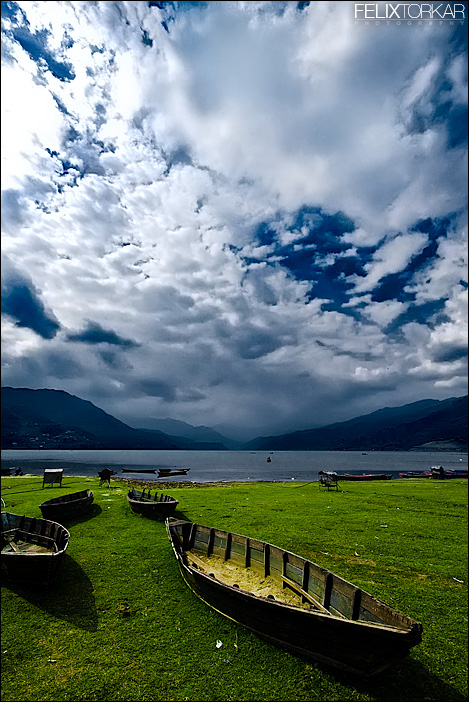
(67, 506)
(365, 476)
(440, 473)
(47, 541)
(340, 625)
(139, 470)
(152, 507)
(163, 473)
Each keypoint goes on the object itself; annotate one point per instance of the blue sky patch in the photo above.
(35, 44)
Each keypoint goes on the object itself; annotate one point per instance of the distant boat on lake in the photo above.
(168, 472)
(139, 470)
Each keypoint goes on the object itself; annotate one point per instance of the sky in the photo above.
(233, 213)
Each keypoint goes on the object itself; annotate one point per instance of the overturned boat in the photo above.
(291, 601)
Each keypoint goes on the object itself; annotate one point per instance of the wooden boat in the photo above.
(416, 474)
(67, 506)
(365, 476)
(32, 549)
(449, 473)
(168, 472)
(291, 601)
(441, 473)
(139, 470)
(155, 507)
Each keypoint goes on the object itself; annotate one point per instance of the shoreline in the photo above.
(141, 482)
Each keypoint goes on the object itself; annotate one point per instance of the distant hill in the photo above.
(54, 419)
(179, 429)
(419, 425)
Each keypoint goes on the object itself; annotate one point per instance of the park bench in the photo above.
(328, 480)
(52, 476)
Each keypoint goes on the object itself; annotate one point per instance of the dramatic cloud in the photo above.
(229, 212)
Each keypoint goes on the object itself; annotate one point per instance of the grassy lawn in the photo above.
(120, 623)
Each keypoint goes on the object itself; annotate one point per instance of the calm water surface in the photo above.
(233, 466)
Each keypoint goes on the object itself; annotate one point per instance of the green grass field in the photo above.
(120, 623)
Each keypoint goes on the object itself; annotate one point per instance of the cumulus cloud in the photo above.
(232, 212)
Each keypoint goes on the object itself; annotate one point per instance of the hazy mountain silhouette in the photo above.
(175, 427)
(423, 424)
(54, 419)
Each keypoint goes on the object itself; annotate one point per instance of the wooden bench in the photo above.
(52, 476)
(328, 480)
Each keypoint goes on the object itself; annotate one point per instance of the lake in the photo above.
(232, 466)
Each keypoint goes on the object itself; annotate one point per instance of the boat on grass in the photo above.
(139, 470)
(456, 473)
(169, 472)
(32, 549)
(416, 474)
(154, 507)
(441, 473)
(291, 601)
(67, 506)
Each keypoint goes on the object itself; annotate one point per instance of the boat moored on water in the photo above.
(139, 470)
(291, 601)
(169, 472)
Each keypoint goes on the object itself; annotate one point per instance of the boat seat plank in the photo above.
(297, 588)
(197, 560)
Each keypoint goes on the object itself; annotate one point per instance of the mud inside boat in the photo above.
(18, 541)
(248, 579)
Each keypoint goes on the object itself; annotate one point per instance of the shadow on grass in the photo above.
(70, 598)
(10, 490)
(181, 515)
(93, 511)
(408, 680)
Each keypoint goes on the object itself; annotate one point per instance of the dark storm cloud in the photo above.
(21, 301)
(95, 334)
(240, 212)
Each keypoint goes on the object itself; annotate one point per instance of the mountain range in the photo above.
(54, 419)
